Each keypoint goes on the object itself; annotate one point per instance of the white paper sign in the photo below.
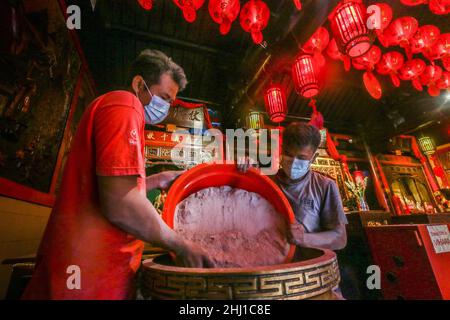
(440, 237)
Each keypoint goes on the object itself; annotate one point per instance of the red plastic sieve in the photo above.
(217, 175)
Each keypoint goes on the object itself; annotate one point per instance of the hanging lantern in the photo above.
(254, 18)
(444, 82)
(189, 8)
(334, 53)
(146, 4)
(440, 6)
(427, 145)
(348, 24)
(316, 44)
(413, 2)
(304, 74)
(424, 39)
(411, 71)
(255, 120)
(441, 48)
(385, 17)
(430, 77)
(367, 62)
(446, 63)
(400, 32)
(298, 4)
(389, 64)
(275, 100)
(224, 12)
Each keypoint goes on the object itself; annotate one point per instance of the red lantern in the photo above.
(441, 48)
(316, 44)
(440, 6)
(304, 74)
(389, 64)
(413, 2)
(254, 18)
(384, 17)
(446, 63)
(400, 31)
(444, 82)
(424, 39)
(189, 8)
(367, 62)
(430, 77)
(334, 53)
(298, 4)
(411, 71)
(275, 100)
(146, 4)
(348, 24)
(224, 12)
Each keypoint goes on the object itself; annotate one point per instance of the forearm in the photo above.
(134, 214)
(151, 182)
(335, 239)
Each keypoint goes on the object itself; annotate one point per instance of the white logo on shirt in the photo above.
(133, 137)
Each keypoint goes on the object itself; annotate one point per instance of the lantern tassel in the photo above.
(316, 117)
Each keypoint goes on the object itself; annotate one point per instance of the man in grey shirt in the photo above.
(315, 198)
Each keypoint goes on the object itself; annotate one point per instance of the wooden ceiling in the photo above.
(229, 72)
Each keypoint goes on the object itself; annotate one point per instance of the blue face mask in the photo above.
(157, 109)
(295, 168)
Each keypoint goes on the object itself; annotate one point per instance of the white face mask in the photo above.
(156, 110)
(295, 168)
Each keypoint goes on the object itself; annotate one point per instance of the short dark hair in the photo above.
(152, 64)
(300, 135)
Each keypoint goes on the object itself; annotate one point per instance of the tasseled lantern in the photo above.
(254, 18)
(255, 120)
(224, 12)
(304, 74)
(348, 24)
(276, 105)
(189, 8)
(146, 4)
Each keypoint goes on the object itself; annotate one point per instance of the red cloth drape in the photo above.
(188, 105)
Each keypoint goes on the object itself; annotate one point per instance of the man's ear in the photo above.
(137, 84)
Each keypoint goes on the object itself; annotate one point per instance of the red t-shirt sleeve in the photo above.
(118, 132)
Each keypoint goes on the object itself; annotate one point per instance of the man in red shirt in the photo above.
(93, 242)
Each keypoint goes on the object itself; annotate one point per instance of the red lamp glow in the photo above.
(298, 4)
(189, 8)
(348, 24)
(254, 18)
(389, 64)
(304, 74)
(224, 12)
(146, 4)
(275, 100)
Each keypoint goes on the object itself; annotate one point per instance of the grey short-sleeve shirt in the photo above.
(315, 200)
